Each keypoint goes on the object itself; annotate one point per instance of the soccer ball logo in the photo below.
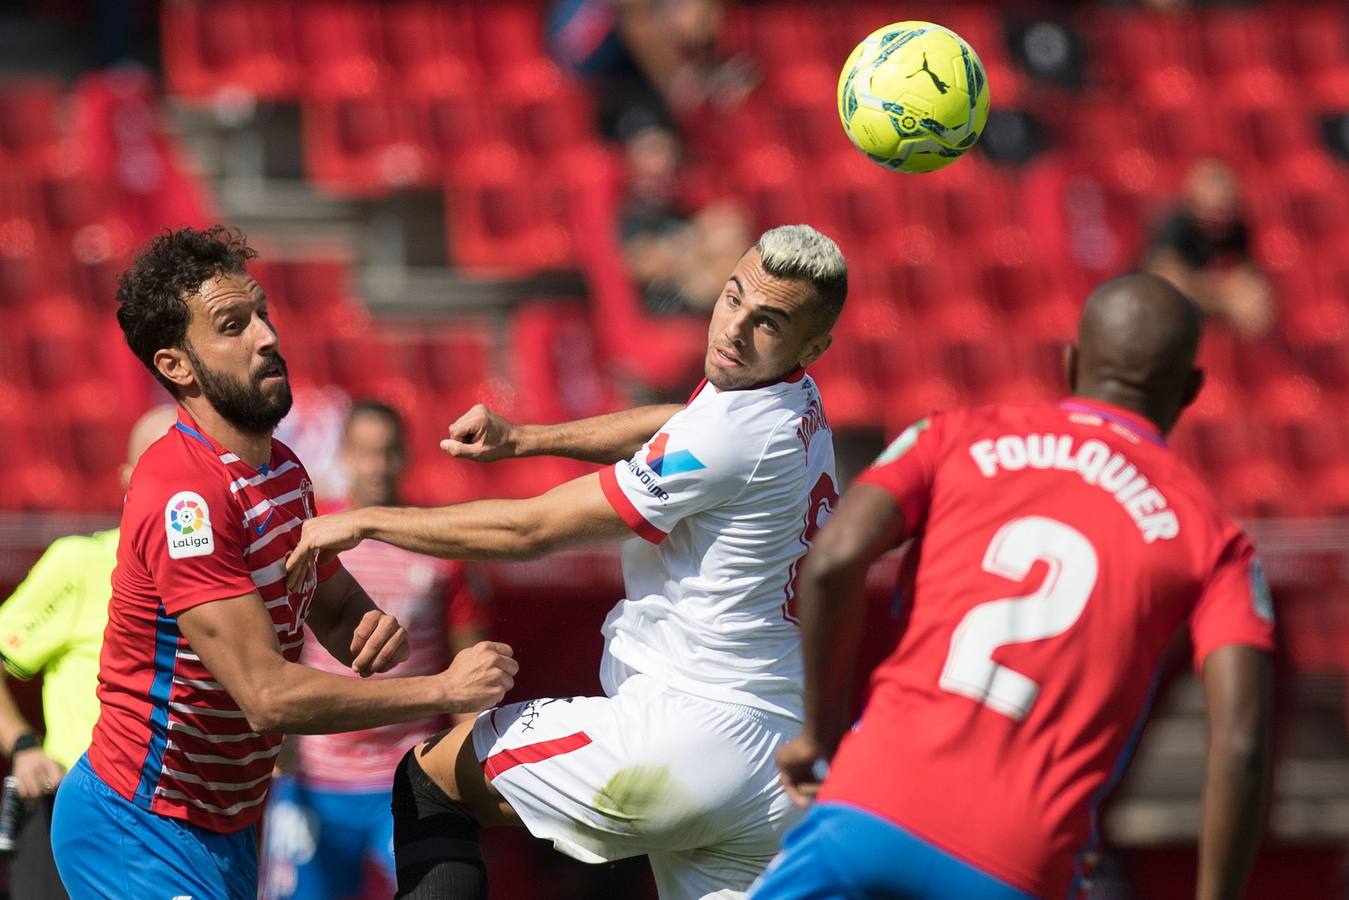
(186, 517)
(913, 96)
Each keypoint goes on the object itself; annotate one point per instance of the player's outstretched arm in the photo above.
(237, 644)
(485, 436)
(571, 514)
(830, 606)
(1237, 691)
(355, 631)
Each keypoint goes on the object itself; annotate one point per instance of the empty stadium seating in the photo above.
(965, 282)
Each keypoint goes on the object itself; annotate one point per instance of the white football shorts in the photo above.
(690, 782)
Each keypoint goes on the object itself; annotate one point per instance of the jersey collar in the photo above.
(1112, 413)
(188, 426)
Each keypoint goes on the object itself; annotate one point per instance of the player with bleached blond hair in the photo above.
(702, 666)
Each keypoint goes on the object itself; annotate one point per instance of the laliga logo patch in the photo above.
(675, 463)
(187, 526)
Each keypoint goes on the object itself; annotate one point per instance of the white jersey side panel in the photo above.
(725, 498)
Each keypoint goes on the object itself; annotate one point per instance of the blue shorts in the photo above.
(316, 841)
(107, 847)
(839, 851)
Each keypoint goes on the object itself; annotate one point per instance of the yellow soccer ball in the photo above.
(913, 96)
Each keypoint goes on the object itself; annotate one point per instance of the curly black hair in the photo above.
(152, 294)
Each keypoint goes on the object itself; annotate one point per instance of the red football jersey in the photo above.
(1057, 550)
(199, 525)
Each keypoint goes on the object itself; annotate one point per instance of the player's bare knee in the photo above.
(449, 760)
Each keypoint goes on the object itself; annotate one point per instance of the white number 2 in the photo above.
(1048, 612)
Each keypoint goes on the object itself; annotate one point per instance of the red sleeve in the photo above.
(464, 609)
(1235, 607)
(191, 537)
(328, 569)
(907, 467)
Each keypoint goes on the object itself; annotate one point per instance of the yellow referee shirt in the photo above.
(53, 623)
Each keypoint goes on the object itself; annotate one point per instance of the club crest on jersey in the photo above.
(187, 526)
(665, 464)
(307, 497)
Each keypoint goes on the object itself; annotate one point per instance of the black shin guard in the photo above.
(435, 840)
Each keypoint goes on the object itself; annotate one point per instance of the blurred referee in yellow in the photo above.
(53, 623)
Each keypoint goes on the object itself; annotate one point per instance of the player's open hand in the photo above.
(378, 643)
(481, 435)
(801, 768)
(36, 772)
(320, 540)
(480, 676)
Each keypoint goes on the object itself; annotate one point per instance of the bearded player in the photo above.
(701, 665)
(1057, 549)
(198, 676)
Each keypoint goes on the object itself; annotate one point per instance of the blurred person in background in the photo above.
(53, 624)
(1063, 545)
(647, 58)
(1204, 248)
(675, 256)
(330, 815)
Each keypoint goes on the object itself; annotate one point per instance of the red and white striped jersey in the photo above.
(199, 525)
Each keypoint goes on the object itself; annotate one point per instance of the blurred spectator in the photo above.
(1204, 249)
(332, 813)
(676, 257)
(54, 622)
(650, 59)
(313, 429)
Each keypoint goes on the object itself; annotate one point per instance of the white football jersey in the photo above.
(725, 498)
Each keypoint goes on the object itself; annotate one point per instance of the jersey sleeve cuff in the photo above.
(1202, 651)
(613, 492)
(16, 669)
(911, 506)
(215, 593)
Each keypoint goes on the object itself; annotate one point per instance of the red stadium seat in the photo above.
(367, 146)
(335, 48)
(229, 47)
(420, 47)
(456, 362)
(557, 364)
(58, 345)
(504, 34)
(453, 124)
(28, 112)
(508, 217)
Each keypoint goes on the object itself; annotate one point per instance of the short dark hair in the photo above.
(376, 408)
(152, 294)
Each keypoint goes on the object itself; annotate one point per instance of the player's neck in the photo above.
(1126, 399)
(254, 449)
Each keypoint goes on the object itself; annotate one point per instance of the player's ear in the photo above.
(173, 364)
(814, 349)
(1070, 367)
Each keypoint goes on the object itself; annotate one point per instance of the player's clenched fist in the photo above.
(481, 435)
(801, 768)
(378, 643)
(480, 676)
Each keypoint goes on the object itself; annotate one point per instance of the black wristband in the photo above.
(25, 741)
